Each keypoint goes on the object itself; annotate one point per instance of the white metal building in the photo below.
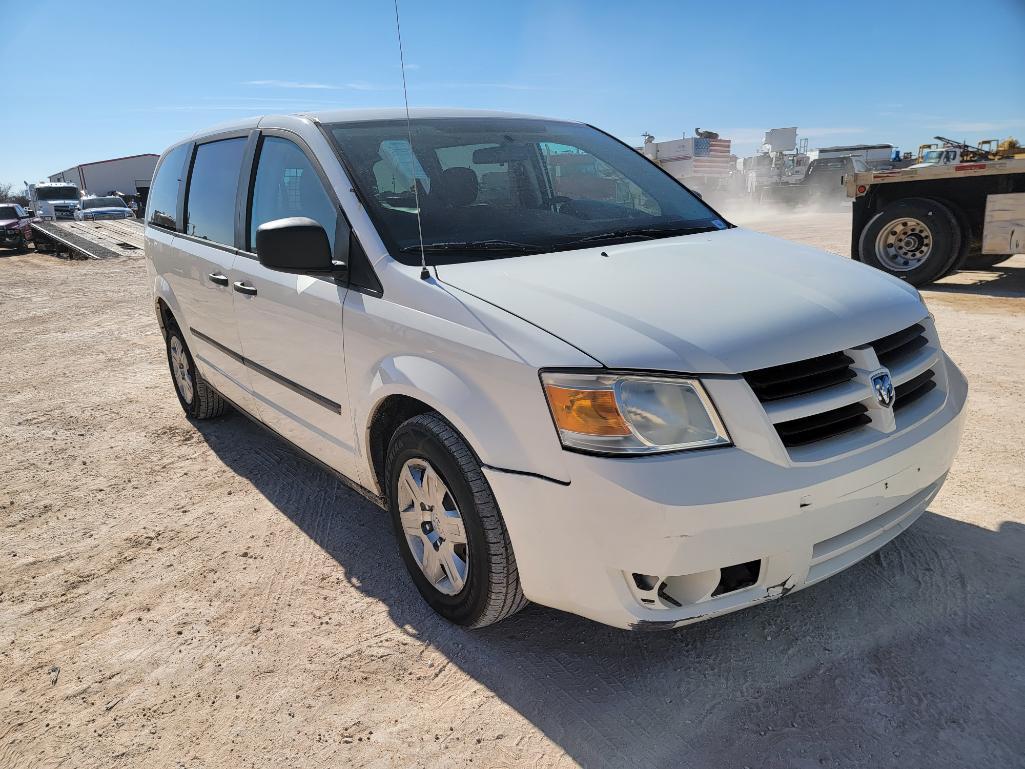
(130, 175)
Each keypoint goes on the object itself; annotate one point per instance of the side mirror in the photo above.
(296, 245)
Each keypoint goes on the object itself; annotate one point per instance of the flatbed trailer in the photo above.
(923, 223)
(90, 240)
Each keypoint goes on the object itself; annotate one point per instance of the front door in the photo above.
(291, 325)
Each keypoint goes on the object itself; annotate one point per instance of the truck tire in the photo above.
(197, 398)
(985, 261)
(968, 243)
(449, 529)
(914, 239)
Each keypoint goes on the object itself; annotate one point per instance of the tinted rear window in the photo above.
(210, 208)
(163, 194)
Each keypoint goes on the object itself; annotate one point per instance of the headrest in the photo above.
(460, 186)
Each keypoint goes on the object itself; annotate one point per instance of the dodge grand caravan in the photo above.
(566, 378)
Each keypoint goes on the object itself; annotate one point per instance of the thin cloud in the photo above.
(983, 125)
(500, 86)
(755, 135)
(292, 84)
(815, 132)
(355, 85)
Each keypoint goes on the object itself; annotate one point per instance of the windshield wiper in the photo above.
(507, 246)
(644, 233)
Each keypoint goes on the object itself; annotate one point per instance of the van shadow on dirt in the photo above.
(914, 657)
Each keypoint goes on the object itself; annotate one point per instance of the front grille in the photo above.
(909, 392)
(827, 424)
(894, 348)
(791, 393)
(806, 376)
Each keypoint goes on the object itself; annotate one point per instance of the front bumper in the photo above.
(691, 514)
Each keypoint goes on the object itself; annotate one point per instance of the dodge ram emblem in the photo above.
(882, 386)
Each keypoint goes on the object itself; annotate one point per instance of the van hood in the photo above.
(717, 303)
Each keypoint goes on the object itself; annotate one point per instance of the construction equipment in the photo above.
(953, 152)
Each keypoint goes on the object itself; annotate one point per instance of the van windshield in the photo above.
(491, 187)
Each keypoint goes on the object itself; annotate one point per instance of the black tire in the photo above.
(985, 261)
(968, 244)
(491, 591)
(203, 402)
(944, 232)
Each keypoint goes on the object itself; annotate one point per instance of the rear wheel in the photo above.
(916, 239)
(450, 531)
(197, 398)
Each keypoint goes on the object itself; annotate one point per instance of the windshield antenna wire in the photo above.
(424, 272)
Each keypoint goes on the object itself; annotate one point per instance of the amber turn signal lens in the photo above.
(591, 412)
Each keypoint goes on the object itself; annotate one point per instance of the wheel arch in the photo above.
(165, 305)
(406, 386)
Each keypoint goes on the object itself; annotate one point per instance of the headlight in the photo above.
(632, 414)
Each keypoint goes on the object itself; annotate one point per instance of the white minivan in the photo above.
(568, 379)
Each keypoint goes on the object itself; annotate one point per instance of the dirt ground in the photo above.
(180, 595)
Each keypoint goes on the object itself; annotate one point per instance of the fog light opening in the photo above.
(737, 577)
(666, 597)
(645, 581)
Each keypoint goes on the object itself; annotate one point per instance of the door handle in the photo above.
(242, 288)
(216, 277)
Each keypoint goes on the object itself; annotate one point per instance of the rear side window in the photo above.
(213, 185)
(163, 194)
(287, 185)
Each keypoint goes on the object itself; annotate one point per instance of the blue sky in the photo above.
(90, 81)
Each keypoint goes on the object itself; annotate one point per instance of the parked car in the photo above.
(110, 207)
(15, 227)
(628, 409)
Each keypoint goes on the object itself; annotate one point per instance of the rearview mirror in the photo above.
(504, 153)
(296, 245)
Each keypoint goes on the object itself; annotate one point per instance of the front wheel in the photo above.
(915, 239)
(449, 529)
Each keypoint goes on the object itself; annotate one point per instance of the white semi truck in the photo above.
(52, 201)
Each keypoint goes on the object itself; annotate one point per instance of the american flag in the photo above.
(711, 157)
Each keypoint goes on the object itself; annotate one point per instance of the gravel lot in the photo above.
(179, 595)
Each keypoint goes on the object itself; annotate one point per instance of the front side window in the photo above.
(163, 194)
(9, 212)
(213, 186)
(491, 187)
(287, 185)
